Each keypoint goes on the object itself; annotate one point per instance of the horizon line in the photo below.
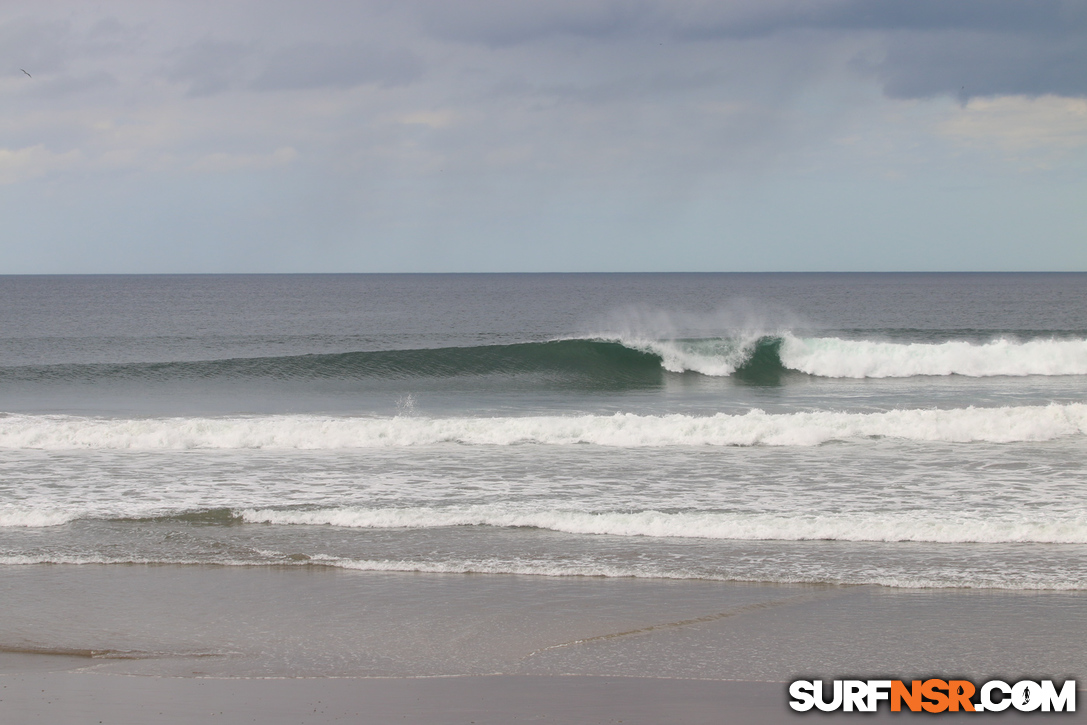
(524, 273)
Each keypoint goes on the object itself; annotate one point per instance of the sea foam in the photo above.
(836, 358)
(20, 517)
(961, 425)
(833, 357)
(935, 577)
(854, 526)
(717, 357)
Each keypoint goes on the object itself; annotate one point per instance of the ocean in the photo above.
(903, 430)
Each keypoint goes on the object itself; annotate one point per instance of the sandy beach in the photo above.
(64, 698)
(79, 698)
(178, 644)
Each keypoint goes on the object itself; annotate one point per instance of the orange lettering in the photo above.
(960, 692)
(931, 691)
(911, 696)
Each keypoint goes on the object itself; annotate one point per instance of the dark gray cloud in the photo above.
(962, 48)
(931, 47)
(982, 64)
(1044, 17)
(316, 65)
(497, 22)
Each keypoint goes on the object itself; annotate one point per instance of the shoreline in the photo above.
(300, 621)
(185, 644)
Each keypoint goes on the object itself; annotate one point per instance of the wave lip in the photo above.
(714, 357)
(623, 430)
(874, 527)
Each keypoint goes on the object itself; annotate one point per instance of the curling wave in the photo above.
(615, 362)
(624, 430)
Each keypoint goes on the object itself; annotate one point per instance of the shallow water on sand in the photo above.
(274, 621)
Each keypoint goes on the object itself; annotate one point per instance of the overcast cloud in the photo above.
(478, 135)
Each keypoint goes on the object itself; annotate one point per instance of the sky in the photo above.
(139, 136)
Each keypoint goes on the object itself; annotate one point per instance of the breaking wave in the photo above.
(832, 357)
(624, 430)
(19, 517)
(609, 362)
(855, 526)
(836, 358)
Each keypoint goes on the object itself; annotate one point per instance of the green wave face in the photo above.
(584, 358)
(574, 363)
(764, 366)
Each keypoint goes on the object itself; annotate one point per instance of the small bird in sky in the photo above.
(27, 74)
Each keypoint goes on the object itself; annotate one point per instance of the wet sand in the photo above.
(79, 698)
(181, 644)
(71, 698)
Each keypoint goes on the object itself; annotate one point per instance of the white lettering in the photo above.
(993, 696)
(1026, 696)
(835, 703)
(803, 694)
(1064, 700)
(987, 702)
(856, 695)
(878, 690)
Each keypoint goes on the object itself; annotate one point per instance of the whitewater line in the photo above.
(623, 430)
(832, 357)
(836, 358)
(915, 526)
